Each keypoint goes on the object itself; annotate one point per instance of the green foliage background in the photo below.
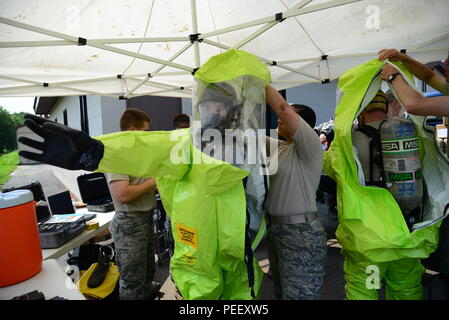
(8, 126)
(8, 163)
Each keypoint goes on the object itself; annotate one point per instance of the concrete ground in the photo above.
(55, 180)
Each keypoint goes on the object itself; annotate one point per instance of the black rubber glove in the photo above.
(63, 146)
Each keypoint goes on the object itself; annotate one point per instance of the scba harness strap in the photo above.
(375, 154)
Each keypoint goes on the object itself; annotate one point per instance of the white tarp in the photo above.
(144, 47)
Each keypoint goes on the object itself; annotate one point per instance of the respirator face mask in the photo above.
(214, 115)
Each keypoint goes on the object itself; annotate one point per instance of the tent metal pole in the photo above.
(174, 73)
(196, 44)
(140, 56)
(298, 60)
(134, 77)
(139, 40)
(63, 84)
(20, 87)
(318, 7)
(216, 44)
(280, 65)
(49, 43)
(38, 30)
(287, 14)
(255, 34)
(21, 80)
(153, 93)
(419, 50)
(95, 45)
(270, 62)
(162, 85)
(269, 25)
(237, 27)
(153, 83)
(40, 84)
(53, 43)
(355, 55)
(444, 36)
(369, 54)
(177, 54)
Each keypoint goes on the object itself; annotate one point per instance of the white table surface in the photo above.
(104, 218)
(51, 281)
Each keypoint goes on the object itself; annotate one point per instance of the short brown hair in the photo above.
(133, 118)
(306, 113)
(181, 121)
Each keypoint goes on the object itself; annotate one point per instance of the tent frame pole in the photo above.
(186, 89)
(53, 43)
(40, 84)
(270, 62)
(287, 14)
(95, 45)
(63, 83)
(442, 37)
(196, 43)
(269, 25)
(177, 54)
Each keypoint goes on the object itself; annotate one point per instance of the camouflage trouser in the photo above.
(297, 254)
(134, 240)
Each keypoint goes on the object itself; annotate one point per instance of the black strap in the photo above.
(248, 250)
(249, 256)
(375, 154)
(265, 184)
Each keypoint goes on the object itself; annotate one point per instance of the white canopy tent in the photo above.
(129, 48)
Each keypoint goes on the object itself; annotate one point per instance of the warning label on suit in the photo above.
(187, 235)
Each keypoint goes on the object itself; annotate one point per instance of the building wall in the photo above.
(71, 104)
(160, 109)
(103, 113)
(320, 97)
(111, 111)
(94, 115)
(187, 106)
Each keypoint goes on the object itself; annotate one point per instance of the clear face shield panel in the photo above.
(229, 125)
(214, 115)
(228, 118)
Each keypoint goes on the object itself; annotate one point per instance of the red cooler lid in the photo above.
(15, 198)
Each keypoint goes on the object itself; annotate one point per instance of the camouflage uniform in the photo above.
(134, 240)
(297, 254)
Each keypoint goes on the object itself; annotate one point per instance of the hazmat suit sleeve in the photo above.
(146, 154)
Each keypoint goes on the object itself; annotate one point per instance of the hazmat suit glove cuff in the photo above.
(91, 158)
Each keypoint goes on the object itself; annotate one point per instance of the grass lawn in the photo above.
(8, 163)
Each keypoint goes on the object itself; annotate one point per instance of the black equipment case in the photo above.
(95, 192)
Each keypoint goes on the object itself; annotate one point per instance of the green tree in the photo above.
(8, 129)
